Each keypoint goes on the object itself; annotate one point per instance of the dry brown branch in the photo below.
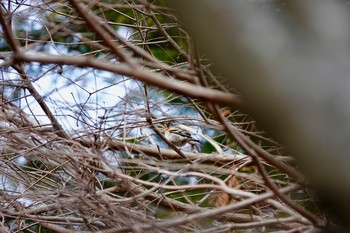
(139, 73)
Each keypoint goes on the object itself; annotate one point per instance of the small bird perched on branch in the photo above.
(178, 136)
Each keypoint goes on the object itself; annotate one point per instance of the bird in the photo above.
(178, 136)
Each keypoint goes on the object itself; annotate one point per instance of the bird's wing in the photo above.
(180, 132)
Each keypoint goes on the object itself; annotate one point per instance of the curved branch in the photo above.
(141, 74)
(166, 153)
(14, 45)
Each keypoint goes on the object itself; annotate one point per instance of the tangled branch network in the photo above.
(86, 89)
